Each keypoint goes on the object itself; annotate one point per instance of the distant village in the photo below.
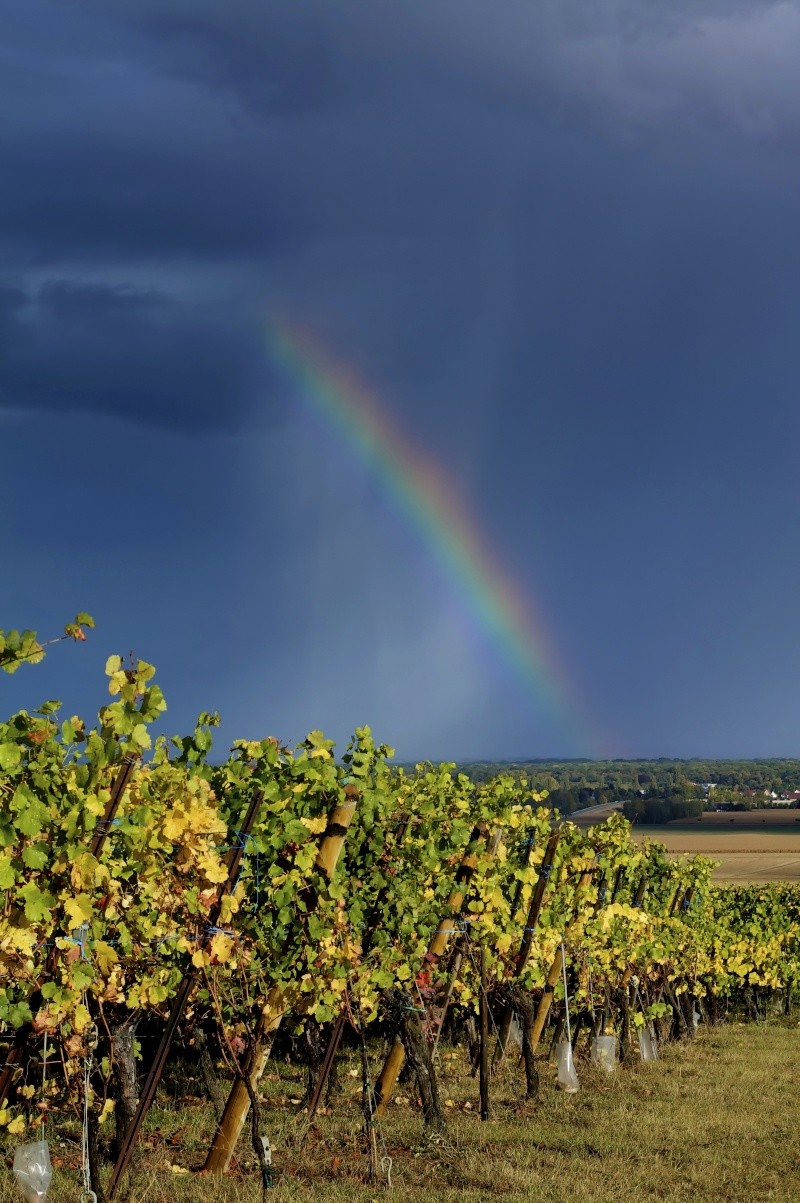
(695, 798)
(718, 798)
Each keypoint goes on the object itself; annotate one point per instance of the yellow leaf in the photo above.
(21, 938)
(228, 907)
(213, 868)
(95, 805)
(83, 868)
(108, 1109)
(78, 910)
(315, 826)
(105, 956)
(81, 1018)
(221, 948)
(16, 1127)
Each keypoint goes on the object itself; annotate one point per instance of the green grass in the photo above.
(713, 1121)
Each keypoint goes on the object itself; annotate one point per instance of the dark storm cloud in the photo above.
(405, 177)
(290, 71)
(89, 199)
(110, 159)
(117, 350)
(560, 238)
(626, 66)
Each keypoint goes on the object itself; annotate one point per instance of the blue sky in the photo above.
(560, 243)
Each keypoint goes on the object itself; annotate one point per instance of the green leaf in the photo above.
(85, 620)
(31, 821)
(38, 903)
(19, 1013)
(82, 975)
(8, 877)
(10, 756)
(34, 856)
(140, 736)
(113, 665)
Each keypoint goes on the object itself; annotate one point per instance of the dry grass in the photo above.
(744, 867)
(713, 1121)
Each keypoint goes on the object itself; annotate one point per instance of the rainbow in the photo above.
(431, 504)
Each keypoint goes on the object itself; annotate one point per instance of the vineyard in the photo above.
(159, 899)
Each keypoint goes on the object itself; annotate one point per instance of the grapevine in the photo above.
(104, 917)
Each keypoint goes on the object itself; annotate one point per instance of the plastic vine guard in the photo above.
(33, 1171)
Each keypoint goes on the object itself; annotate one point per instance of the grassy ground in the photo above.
(714, 1120)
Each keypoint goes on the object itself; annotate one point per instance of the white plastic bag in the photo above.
(515, 1033)
(604, 1052)
(33, 1171)
(648, 1043)
(567, 1078)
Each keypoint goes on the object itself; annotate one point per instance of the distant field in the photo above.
(750, 845)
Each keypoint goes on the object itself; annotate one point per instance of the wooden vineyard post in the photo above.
(484, 1026)
(456, 961)
(638, 904)
(682, 1016)
(230, 1125)
(234, 860)
(617, 883)
(553, 976)
(388, 1076)
(17, 1053)
(521, 959)
(338, 1028)
(454, 972)
(117, 792)
(518, 891)
(685, 900)
(536, 904)
(455, 902)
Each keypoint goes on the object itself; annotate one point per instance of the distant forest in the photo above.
(655, 791)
